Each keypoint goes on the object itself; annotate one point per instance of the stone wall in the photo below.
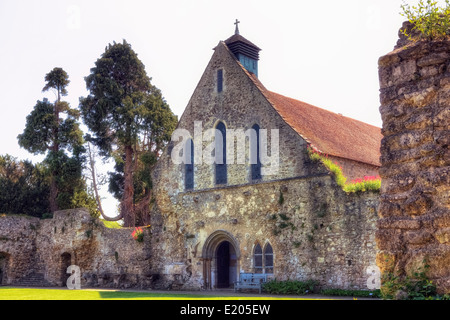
(106, 257)
(318, 232)
(414, 210)
(239, 106)
(17, 247)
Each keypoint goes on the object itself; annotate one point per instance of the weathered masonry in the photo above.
(38, 252)
(214, 221)
(414, 210)
(278, 213)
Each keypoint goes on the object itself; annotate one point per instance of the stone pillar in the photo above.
(414, 214)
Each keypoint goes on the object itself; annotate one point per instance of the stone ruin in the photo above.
(35, 252)
(414, 215)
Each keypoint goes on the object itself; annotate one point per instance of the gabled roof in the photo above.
(328, 132)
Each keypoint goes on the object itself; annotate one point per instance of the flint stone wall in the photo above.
(317, 232)
(414, 208)
(106, 257)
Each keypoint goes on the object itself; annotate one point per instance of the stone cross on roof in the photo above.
(237, 26)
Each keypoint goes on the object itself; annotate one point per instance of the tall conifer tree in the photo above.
(52, 129)
(129, 120)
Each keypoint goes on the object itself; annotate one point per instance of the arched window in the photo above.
(258, 259)
(219, 80)
(268, 259)
(263, 259)
(189, 165)
(221, 153)
(255, 160)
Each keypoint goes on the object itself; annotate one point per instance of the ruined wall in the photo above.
(317, 232)
(17, 246)
(414, 209)
(106, 257)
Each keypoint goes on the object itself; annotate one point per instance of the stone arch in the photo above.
(257, 257)
(65, 262)
(255, 166)
(189, 164)
(268, 257)
(219, 244)
(217, 121)
(4, 263)
(221, 171)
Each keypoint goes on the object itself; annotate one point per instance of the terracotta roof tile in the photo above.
(329, 132)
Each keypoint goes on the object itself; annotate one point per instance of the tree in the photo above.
(24, 187)
(96, 180)
(52, 129)
(127, 116)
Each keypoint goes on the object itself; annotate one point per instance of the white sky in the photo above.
(321, 52)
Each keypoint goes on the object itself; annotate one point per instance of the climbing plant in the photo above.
(368, 183)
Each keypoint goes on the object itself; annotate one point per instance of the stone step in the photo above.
(33, 280)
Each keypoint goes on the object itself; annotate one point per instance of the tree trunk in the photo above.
(53, 186)
(53, 194)
(127, 206)
(94, 182)
(142, 210)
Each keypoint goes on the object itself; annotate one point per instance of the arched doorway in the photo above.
(66, 261)
(220, 260)
(4, 257)
(226, 265)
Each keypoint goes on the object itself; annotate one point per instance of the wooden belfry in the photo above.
(246, 52)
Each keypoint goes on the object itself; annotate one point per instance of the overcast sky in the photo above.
(321, 52)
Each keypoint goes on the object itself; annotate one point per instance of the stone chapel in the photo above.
(280, 214)
(212, 221)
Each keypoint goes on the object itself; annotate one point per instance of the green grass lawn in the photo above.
(12, 293)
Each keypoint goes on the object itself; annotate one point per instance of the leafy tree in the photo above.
(24, 187)
(129, 120)
(53, 129)
(72, 187)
